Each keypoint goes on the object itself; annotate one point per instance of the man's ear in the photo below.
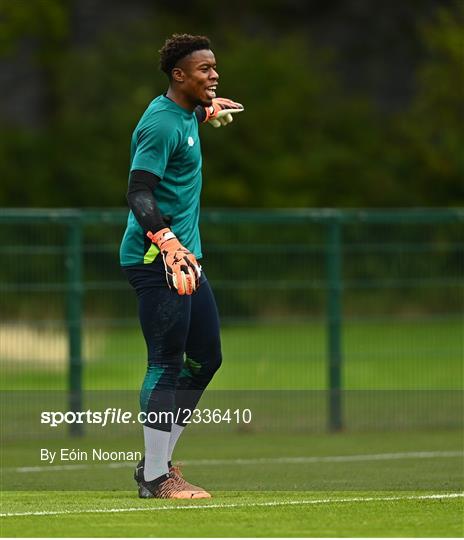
(178, 75)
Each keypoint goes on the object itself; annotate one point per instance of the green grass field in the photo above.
(389, 484)
(388, 354)
(232, 514)
(276, 477)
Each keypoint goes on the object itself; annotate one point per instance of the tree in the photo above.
(430, 134)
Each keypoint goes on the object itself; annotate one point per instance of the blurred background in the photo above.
(333, 206)
(347, 104)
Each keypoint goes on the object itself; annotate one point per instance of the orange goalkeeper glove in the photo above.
(220, 112)
(182, 269)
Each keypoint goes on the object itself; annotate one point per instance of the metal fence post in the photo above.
(74, 319)
(334, 323)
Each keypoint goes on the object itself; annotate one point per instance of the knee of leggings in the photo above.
(166, 359)
(205, 373)
(169, 368)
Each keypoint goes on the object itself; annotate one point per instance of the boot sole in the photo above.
(144, 493)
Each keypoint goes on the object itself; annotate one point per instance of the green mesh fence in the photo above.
(362, 308)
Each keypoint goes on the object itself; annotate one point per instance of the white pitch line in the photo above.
(258, 461)
(436, 496)
(328, 459)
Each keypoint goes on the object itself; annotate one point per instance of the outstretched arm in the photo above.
(219, 113)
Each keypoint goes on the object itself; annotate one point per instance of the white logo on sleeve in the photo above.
(190, 141)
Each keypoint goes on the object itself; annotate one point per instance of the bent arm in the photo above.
(142, 202)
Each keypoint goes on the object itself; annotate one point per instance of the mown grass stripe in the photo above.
(258, 461)
(436, 496)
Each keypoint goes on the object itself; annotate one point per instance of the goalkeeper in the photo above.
(160, 254)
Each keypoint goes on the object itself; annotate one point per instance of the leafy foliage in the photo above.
(304, 139)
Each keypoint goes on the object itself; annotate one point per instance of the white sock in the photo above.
(176, 432)
(156, 452)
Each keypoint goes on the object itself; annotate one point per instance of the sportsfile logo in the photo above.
(112, 415)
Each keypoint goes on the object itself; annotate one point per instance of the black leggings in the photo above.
(175, 325)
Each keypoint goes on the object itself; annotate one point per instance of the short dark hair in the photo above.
(178, 46)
